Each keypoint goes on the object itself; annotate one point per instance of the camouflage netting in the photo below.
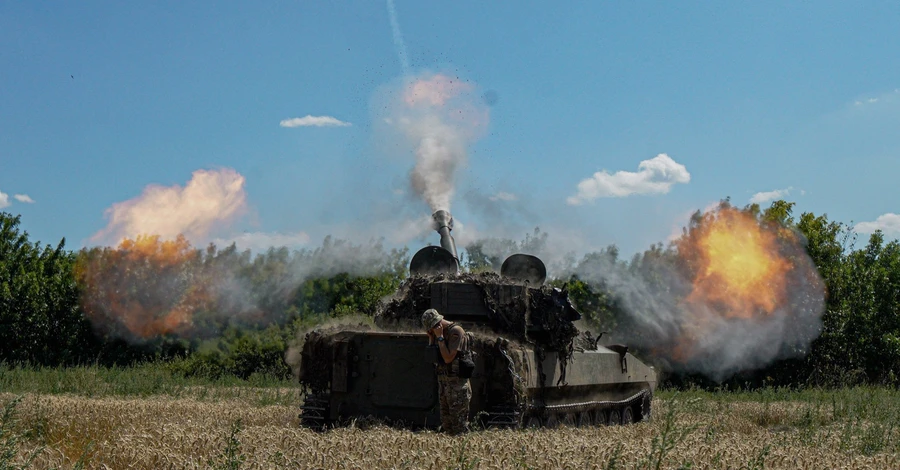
(541, 318)
(586, 341)
(509, 386)
(548, 310)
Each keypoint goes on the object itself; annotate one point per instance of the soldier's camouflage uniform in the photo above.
(455, 396)
(455, 392)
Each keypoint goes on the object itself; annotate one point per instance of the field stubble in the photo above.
(692, 430)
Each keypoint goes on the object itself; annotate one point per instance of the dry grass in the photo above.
(167, 432)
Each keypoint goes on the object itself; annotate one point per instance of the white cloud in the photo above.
(503, 196)
(259, 242)
(4, 200)
(316, 121)
(24, 198)
(654, 176)
(766, 196)
(888, 223)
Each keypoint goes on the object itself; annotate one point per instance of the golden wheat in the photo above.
(163, 432)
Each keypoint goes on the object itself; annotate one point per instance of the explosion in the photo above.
(155, 285)
(740, 270)
(735, 292)
(752, 295)
(145, 287)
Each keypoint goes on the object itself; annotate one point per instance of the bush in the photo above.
(240, 354)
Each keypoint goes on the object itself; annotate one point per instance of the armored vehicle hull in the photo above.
(532, 367)
(390, 377)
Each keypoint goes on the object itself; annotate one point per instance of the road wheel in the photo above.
(584, 419)
(615, 418)
(534, 422)
(628, 415)
(552, 421)
(567, 420)
(601, 418)
(645, 407)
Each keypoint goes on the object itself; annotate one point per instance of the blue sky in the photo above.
(99, 101)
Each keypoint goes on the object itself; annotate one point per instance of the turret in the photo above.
(437, 259)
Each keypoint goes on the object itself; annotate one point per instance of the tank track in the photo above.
(314, 411)
(574, 414)
(503, 417)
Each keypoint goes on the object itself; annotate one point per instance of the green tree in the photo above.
(39, 312)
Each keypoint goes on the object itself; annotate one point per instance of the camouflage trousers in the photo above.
(455, 394)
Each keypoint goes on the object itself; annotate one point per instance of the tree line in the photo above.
(213, 311)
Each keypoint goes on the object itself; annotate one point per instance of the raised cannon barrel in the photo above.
(443, 223)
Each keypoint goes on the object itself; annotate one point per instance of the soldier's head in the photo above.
(430, 319)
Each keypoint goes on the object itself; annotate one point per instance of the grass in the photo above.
(152, 379)
(148, 418)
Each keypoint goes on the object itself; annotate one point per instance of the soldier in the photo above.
(455, 391)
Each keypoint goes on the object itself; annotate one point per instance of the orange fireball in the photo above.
(740, 271)
(144, 288)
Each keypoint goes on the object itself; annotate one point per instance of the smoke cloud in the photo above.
(147, 288)
(210, 198)
(438, 117)
(259, 242)
(728, 297)
(4, 200)
(24, 198)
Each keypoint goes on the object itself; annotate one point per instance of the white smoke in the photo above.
(440, 153)
(259, 242)
(696, 336)
(210, 198)
(438, 117)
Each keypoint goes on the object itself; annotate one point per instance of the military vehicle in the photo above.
(533, 367)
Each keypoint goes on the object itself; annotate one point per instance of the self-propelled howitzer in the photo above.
(532, 366)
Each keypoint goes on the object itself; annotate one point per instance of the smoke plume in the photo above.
(148, 287)
(438, 117)
(210, 198)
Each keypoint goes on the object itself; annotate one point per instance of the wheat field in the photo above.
(66, 431)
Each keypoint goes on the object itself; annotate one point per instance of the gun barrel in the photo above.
(443, 223)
